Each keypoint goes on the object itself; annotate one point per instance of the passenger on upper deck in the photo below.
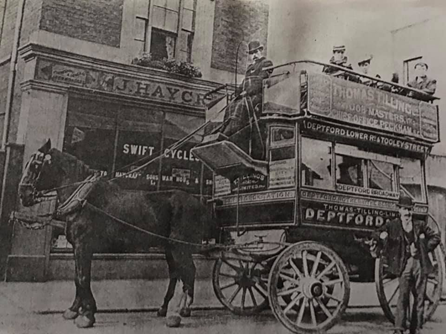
(422, 82)
(364, 66)
(340, 59)
(238, 114)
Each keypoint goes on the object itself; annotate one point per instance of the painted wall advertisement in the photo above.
(358, 104)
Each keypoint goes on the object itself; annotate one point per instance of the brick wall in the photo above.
(97, 21)
(6, 40)
(237, 21)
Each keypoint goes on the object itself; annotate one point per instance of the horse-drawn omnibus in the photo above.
(338, 154)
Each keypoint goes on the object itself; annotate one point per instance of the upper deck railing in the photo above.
(426, 97)
(385, 108)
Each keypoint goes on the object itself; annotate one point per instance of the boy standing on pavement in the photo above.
(407, 243)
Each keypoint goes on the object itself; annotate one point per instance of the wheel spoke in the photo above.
(316, 264)
(292, 303)
(253, 298)
(429, 298)
(261, 291)
(305, 263)
(301, 311)
(292, 280)
(288, 292)
(432, 281)
(228, 275)
(389, 281)
(234, 294)
(326, 311)
(333, 297)
(333, 282)
(293, 265)
(228, 286)
(235, 268)
(313, 314)
(393, 295)
(326, 270)
(243, 298)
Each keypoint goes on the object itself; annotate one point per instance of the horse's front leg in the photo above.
(83, 255)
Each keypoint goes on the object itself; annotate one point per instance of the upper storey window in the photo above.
(165, 28)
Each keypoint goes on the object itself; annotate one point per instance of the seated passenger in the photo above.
(245, 108)
(339, 59)
(364, 66)
(350, 172)
(422, 82)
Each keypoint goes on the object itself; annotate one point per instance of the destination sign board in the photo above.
(362, 136)
(358, 104)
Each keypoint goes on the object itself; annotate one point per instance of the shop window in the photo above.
(316, 163)
(165, 28)
(180, 169)
(411, 179)
(116, 139)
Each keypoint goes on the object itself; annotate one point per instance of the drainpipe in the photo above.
(12, 72)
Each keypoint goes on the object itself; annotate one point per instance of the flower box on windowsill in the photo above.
(171, 66)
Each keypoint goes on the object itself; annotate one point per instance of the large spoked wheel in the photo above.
(241, 285)
(387, 286)
(309, 288)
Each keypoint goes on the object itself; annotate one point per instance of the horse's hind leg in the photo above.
(173, 277)
(73, 311)
(83, 256)
(186, 269)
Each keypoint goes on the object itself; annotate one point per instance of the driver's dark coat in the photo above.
(254, 75)
(395, 245)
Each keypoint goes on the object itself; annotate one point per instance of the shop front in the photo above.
(114, 118)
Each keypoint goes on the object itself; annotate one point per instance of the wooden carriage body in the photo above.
(338, 154)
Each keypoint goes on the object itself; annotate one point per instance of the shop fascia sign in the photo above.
(153, 89)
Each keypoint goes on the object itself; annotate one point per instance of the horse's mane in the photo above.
(70, 164)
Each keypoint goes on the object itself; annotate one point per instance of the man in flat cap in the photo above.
(245, 108)
(406, 243)
(340, 59)
(422, 82)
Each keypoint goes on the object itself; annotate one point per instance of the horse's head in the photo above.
(40, 174)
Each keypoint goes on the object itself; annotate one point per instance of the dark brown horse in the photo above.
(177, 215)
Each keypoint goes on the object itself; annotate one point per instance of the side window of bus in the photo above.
(349, 170)
(365, 169)
(282, 157)
(316, 163)
(411, 179)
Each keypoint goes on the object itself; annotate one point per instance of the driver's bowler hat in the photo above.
(254, 46)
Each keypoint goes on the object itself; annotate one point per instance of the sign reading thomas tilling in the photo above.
(371, 107)
(341, 211)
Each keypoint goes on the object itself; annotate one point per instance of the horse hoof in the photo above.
(70, 315)
(82, 321)
(162, 312)
(185, 312)
(173, 321)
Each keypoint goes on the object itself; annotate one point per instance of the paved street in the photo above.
(355, 321)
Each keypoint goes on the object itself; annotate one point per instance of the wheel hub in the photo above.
(312, 288)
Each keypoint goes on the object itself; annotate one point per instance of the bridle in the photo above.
(35, 166)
